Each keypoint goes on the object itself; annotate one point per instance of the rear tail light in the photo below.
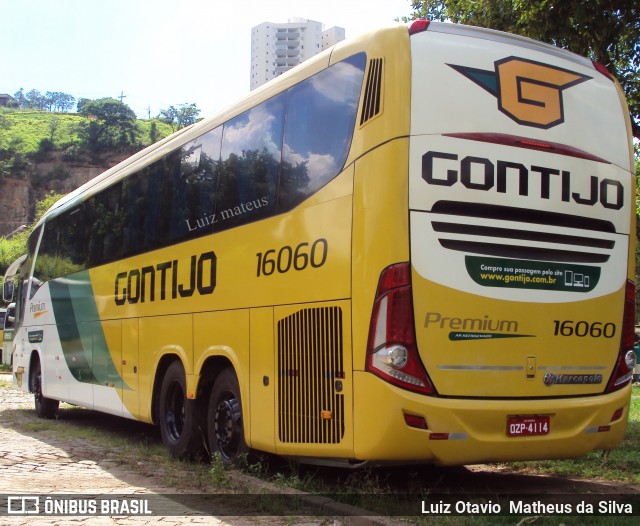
(418, 26)
(392, 353)
(602, 70)
(525, 142)
(623, 371)
(416, 421)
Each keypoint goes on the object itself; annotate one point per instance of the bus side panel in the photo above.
(262, 381)
(107, 366)
(392, 49)
(160, 336)
(56, 374)
(380, 230)
(224, 333)
(130, 366)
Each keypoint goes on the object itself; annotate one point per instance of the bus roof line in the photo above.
(507, 38)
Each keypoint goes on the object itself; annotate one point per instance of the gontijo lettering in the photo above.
(479, 173)
(141, 284)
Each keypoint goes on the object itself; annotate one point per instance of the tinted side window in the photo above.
(73, 235)
(105, 216)
(25, 270)
(250, 166)
(321, 114)
(189, 189)
(47, 263)
(141, 194)
(194, 191)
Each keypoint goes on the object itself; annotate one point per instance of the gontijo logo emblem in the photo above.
(529, 92)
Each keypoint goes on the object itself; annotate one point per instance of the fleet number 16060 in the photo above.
(582, 329)
(298, 258)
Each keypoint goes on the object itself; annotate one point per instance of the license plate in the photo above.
(525, 426)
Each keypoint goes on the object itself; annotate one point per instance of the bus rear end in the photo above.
(521, 232)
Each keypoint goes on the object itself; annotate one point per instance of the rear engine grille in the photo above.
(310, 365)
(510, 232)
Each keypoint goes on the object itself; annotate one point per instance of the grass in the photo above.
(23, 130)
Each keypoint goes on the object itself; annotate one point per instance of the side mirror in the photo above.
(7, 291)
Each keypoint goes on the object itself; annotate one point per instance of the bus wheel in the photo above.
(224, 418)
(45, 407)
(179, 416)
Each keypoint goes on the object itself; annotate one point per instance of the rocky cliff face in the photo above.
(18, 197)
(14, 204)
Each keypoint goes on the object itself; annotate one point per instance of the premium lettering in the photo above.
(479, 173)
(469, 324)
(161, 282)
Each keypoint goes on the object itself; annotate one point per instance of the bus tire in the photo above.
(225, 429)
(45, 407)
(179, 416)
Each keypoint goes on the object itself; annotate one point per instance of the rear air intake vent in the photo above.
(372, 105)
(311, 373)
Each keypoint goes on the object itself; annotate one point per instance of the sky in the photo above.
(157, 53)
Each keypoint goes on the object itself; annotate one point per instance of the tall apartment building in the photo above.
(276, 48)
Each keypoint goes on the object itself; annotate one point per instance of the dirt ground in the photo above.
(33, 462)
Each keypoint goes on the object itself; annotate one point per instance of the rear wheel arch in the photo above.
(211, 368)
(33, 360)
(180, 417)
(161, 370)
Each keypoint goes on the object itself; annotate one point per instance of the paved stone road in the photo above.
(29, 465)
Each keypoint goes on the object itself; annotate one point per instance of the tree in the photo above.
(50, 101)
(111, 124)
(153, 132)
(58, 101)
(54, 124)
(81, 103)
(35, 100)
(20, 98)
(182, 116)
(607, 31)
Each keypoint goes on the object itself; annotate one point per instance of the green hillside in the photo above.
(45, 149)
(23, 131)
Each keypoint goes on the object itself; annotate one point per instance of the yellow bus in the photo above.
(415, 247)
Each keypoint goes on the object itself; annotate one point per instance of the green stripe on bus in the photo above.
(84, 345)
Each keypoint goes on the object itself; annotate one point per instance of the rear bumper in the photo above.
(472, 431)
